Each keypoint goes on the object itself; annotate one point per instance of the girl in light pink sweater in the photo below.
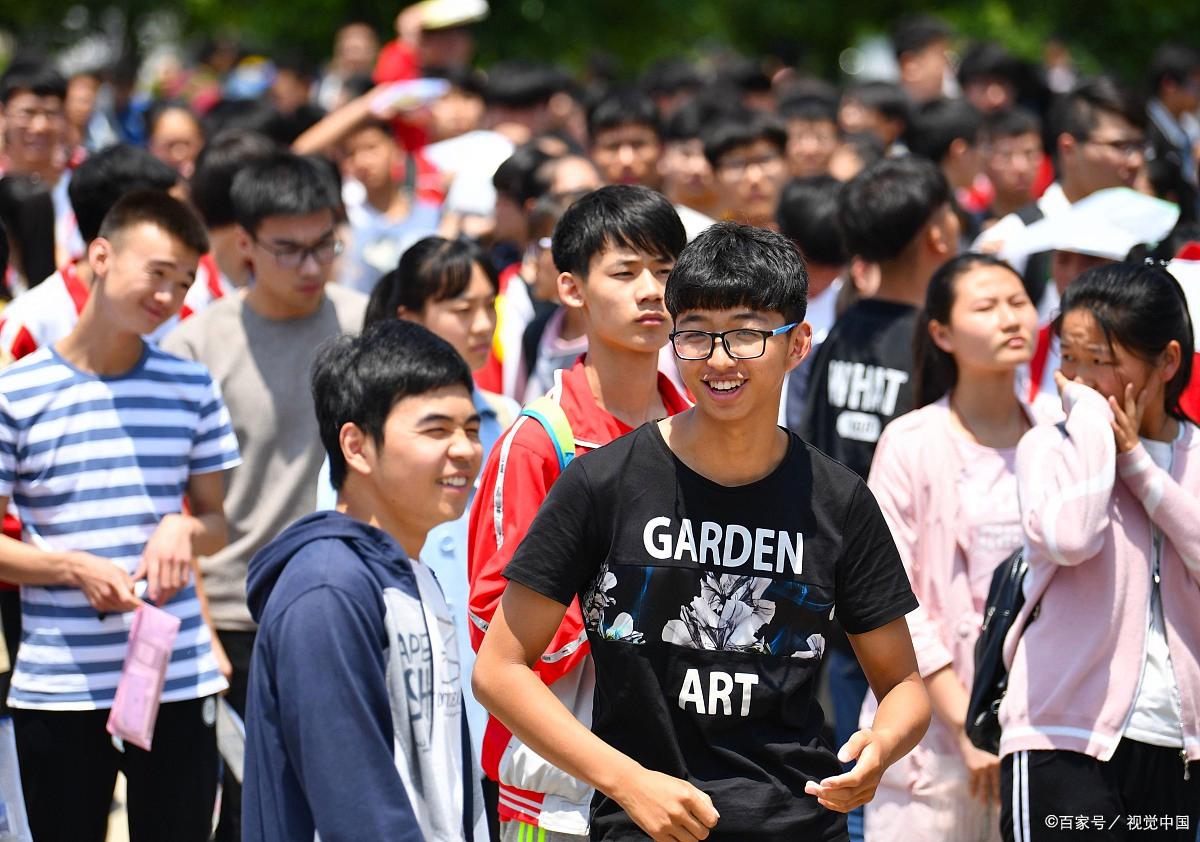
(945, 478)
(1102, 715)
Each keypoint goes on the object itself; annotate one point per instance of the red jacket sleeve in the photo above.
(515, 481)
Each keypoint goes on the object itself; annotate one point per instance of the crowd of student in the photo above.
(520, 456)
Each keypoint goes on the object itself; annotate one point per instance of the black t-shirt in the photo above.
(861, 380)
(706, 608)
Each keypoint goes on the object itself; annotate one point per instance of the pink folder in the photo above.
(135, 707)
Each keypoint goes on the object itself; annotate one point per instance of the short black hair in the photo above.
(744, 74)
(468, 80)
(883, 208)
(359, 379)
(522, 84)
(671, 76)
(742, 127)
(940, 122)
(1172, 62)
(687, 123)
(626, 215)
(808, 216)
(284, 184)
(888, 98)
(623, 108)
(1077, 113)
(431, 269)
(811, 107)
(106, 176)
(1009, 122)
(218, 162)
(866, 145)
(913, 33)
(732, 265)
(160, 209)
(38, 78)
(988, 60)
(517, 177)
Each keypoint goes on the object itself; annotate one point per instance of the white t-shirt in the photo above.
(1156, 716)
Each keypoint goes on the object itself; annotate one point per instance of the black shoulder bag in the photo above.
(1004, 601)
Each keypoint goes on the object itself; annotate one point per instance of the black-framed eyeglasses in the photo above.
(292, 257)
(744, 343)
(1126, 148)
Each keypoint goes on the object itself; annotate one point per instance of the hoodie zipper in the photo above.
(1170, 663)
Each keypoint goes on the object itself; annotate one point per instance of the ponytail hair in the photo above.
(1141, 307)
(935, 372)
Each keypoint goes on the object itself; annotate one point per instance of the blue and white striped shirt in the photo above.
(94, 464)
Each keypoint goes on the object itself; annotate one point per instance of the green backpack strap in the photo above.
(547, 412)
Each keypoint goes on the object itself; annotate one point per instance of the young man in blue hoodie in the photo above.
(354, 721)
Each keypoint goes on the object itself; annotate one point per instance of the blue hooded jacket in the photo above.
(321, 742)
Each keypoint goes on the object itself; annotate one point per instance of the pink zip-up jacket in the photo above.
(1088, 514)
(916, 478)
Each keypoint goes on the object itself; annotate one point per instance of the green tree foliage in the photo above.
(1103, 33)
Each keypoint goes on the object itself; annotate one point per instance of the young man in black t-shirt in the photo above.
(710, 551)
(897, 213)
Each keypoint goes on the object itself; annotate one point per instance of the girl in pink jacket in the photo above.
(945, 477)
(1102, 715)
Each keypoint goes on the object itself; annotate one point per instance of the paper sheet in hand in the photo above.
(135, 708)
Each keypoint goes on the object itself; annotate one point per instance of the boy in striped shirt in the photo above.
(101, 436)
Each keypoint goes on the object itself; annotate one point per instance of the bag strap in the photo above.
(549, 413)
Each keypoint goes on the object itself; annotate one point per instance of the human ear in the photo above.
(936, 239)
(1169, 361)
(357, 448)
(940, 334)
(571, 290)
(406, 314)
(245, 243)
(100, 255)
(799, 345)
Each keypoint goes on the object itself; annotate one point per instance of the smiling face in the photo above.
(467, 321)
(729, 389)
(145, 274)
(622, 297)
(991, 322)
(421, 472)
(34, 128)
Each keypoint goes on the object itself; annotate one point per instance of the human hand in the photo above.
(1127, 419)
(983, 772)
(107, 587)
(668, 809)
(167, 559)
(852, 789)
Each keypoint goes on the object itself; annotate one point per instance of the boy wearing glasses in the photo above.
(614, 249)
(746, 150)
(709, 552)
(259, 347)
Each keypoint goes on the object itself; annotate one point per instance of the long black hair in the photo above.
(1141, 307)
(935, 371)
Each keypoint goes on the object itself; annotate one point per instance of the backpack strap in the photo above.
(549, 413)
